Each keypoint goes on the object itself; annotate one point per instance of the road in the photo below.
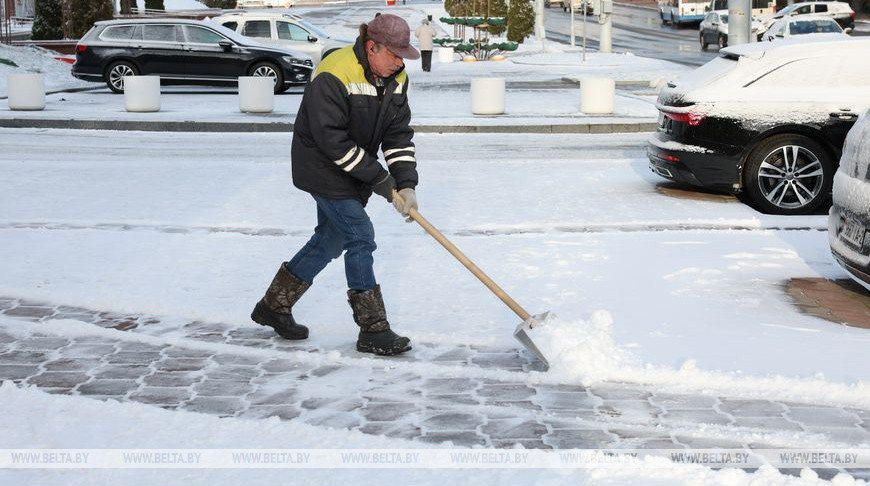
(635, 30)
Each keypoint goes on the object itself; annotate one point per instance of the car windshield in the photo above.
(814, 26)
(785, 11)
(313, 29)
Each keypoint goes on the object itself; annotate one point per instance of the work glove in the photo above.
(407, 199)
(385, 187)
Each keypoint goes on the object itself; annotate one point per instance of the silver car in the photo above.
(282, 30)
(714, 29)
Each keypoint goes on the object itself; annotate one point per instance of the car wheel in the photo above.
(788, 174)
(115, 75)
(703, 43)
(723, 41)
(270, 70)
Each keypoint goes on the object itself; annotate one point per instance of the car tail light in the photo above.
(81, 48)
(852, 14)
(693, 119)
(672, 158)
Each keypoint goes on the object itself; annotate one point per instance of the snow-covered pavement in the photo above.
(675, 328)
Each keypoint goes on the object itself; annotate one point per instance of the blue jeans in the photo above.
(342, 226)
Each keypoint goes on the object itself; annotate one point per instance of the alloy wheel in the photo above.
(266, 71)
(791, 177)
(116, 75)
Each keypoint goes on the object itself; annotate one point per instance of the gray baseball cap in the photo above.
(393, 32)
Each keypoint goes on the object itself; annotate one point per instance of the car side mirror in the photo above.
(226, 45)
(311, 38)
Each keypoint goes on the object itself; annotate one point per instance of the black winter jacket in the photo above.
(341, 123)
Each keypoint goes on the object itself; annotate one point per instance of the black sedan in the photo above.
(765, 120)
(182, 52)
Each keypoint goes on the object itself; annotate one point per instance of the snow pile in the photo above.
(31, 59)
(583, 349)
(34, 419)
(585, 353)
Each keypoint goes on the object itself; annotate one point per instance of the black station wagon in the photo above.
(182, 52)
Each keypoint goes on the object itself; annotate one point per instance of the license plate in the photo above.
(853, 232)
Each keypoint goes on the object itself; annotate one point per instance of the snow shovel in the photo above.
(525, 328)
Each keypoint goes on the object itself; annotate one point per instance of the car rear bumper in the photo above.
(695, 165)
(854, 258)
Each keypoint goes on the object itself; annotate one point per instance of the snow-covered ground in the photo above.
(679, 295)
(563, 222)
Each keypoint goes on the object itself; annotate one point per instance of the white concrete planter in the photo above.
(26, 91)
(142, 93)
(445, 55)
(256, 94)
(487, 96)
(597, 95)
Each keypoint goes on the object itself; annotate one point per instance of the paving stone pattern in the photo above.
(385, 400)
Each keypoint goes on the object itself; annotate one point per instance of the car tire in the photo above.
(723, 41)
(270, 70)
(115, 73)
(788, 174)
(704, 43)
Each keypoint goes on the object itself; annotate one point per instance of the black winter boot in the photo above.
(375, 335)
(274, 309)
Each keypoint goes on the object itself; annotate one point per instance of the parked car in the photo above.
(265, 3)
(849, 220)
(766, 120)
(282, 30)
(802, 25)
(839, 11)
(714, 29)
(181, 52)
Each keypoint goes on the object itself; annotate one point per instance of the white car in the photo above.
(839, 11)
(282, 30)
(849, 219)
(802, 25)
(714, 29)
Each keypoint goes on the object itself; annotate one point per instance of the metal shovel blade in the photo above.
(526, 328)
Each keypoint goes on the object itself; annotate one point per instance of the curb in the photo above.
(219, 127)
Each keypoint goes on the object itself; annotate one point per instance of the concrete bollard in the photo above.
(142, 93)
(597, 95)
(487, 96)
(256, 94)
(445, 55)
(26, 91)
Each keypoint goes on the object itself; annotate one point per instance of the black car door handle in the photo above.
(844, 115)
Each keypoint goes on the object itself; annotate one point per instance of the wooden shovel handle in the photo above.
(501, 294)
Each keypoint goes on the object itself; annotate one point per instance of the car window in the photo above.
(803, 10)
(257, 28)
(231, 25)
(822, 71)
(821, 8)
(162, 33)
(199, 35)
(288, 31)
(119, 32)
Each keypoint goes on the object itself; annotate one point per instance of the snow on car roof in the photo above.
(799, 45)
